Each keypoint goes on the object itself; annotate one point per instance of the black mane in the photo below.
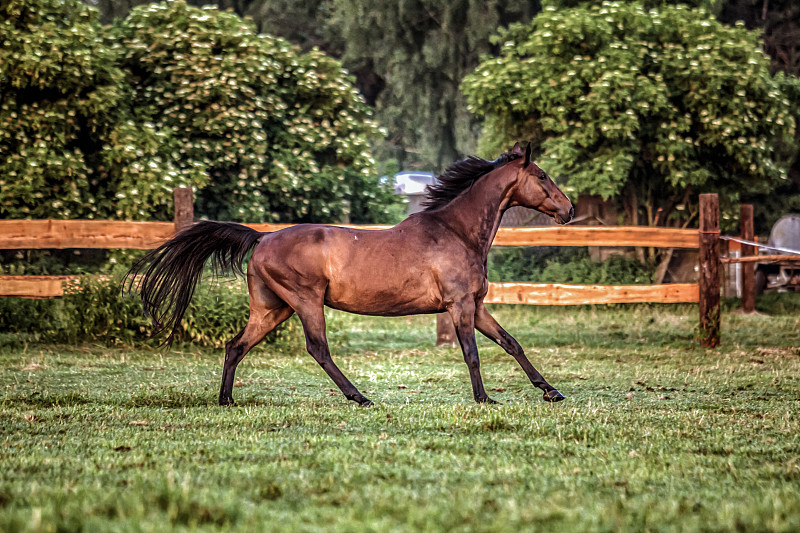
(460, 176)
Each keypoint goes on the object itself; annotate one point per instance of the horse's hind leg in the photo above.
(486, 324)
(267, 311)
(313, 320)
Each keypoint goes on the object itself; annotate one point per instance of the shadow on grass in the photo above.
(161, 398)
(38, 400)
(776, 304)
(168, 398)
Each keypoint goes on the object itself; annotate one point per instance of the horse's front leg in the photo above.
(487, 325)
(463, 315)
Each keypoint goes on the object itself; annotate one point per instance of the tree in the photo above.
(407, 57)
(100, 123)
(779, 21)
(421, 50)
(650, 107)
(278, 134)
(68, 148)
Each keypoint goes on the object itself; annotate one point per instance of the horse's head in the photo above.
(535, 189)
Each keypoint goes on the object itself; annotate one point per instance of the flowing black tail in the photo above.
(167, 276)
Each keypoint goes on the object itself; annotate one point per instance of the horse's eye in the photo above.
(542, 176)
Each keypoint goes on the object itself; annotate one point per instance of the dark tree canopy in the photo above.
(422, 49)
(779, 21)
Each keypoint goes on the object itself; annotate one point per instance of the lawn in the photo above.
(656, 434)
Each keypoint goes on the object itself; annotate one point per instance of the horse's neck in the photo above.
(475, 214)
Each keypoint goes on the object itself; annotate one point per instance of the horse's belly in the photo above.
(388, 300)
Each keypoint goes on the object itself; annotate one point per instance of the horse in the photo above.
(431, 262)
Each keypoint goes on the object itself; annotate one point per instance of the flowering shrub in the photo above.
(104, 122)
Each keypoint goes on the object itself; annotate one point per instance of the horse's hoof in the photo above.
(489, 401)
(364, 402)
(553, 396)
(223, 402)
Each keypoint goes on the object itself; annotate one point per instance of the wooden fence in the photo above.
(60, 234)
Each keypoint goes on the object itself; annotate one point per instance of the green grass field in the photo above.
(656, 434)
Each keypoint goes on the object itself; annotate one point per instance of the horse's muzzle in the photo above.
(565, 216)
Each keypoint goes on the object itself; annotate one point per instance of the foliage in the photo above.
(220, 310)
(278, 133)
(301, 23)
(314, 23)
(711, 5)
(421, 50)
(650, 107)
(98, 123)
(53, 262)
(407, 59)
(68, 147)
(780, 21)
(95, 309)
(115, 439)
(565, 265)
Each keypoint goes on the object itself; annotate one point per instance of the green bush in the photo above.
(565, 265)
(277, 134)
(219, 310)
(103, 122)
(55, 262)
(96, 310)
(68, 145)
(27, 319)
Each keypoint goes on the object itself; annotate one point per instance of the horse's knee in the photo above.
(472, 359)
(316, 346)
(233, 351)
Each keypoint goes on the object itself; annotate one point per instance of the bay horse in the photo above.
(433, 261)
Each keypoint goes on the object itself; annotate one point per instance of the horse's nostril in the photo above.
(571, 213)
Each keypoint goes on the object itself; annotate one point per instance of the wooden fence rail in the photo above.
(563, 294)
(60, 234)
(36, 287)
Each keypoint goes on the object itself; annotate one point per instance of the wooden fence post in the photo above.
(709, 271)
(445, 330)
(747, 270)
(184, 208)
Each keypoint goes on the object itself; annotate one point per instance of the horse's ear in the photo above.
(527, 156)
(517, 150)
